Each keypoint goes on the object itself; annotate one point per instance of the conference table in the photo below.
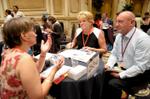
(84, 88)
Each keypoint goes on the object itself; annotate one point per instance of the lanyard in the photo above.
(85, 41)
(123, 50)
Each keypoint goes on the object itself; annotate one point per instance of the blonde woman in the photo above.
(87, 36)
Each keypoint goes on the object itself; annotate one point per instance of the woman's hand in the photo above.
(59, 63)
(45, 47)
(88, 48)
(69, 45)
(48, 30)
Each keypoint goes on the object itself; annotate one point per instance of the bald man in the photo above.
(131, 52)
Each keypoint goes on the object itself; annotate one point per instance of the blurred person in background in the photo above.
(146, 24)
(17, 12)
(8, 15)
(98, 22)
(57, 33)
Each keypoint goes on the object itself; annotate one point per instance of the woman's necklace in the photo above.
(83, 40)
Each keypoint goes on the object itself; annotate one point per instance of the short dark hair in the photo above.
(146, 14)
(16, 6)
(44, 17)
(8, 11)
(145, 18)
(13, 29)
(52, 19)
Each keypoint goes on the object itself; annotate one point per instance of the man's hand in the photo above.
(115, 74)
(107, 68)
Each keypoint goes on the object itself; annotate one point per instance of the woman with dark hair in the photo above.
(97, 21)
(146, 24)
(19, 74)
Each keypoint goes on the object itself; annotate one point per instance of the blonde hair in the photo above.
(85, 15)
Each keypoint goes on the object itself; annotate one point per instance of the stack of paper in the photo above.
(77, 72)
(48, 56)
(61, 71)
(80, 55)
(73, 72)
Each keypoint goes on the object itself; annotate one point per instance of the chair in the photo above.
(1, 49)
(63, 40)
(73, 31)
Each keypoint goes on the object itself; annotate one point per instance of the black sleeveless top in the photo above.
(92, 40)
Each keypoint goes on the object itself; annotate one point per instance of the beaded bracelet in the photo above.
(42, 55)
